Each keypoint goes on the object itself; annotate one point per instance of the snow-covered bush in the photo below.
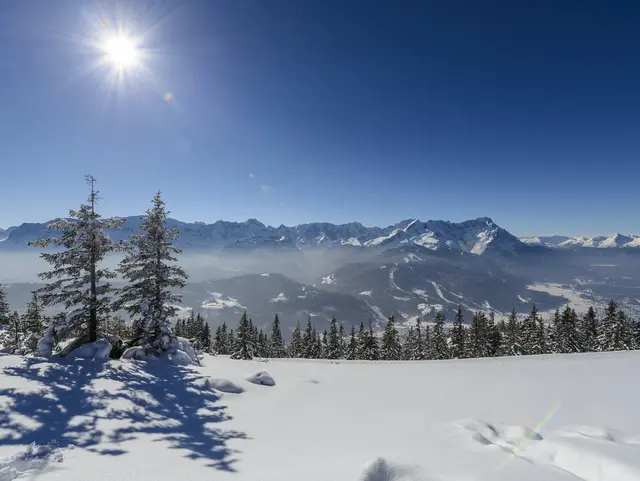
(93, 350)
(179, 352)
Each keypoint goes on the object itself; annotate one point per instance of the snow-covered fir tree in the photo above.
(494, 335)
(361, 342)
(205, 338)
(352, 347)
(529, 333)
(79, 282)
(309, 341)
(318, 352)
(5, 310)
(478, 345)
(220, 340)
(295, 347)
(565, 332)
(428, 348)
(458, 336)
(512, 340)
(334, 341)
(371, 351)
(439, 346)
(153, 276)
(276, 342)
(416, 346)
(407, 344)
(33, 320)
(342, 344)
(244, 348)
(390, 346)
(589, 327)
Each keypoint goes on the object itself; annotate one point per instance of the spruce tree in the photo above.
(116, 326)
(589, 329)
(512, 343)
(409, 342)
(231, 341)
(342, 343)
(439, 347)
(372, 349)
(308, 341)
(478, 338)
(428, 348)
(318, 352)
(361, 343)
(79, 282)
(607, 337)
(352, 348)
(244, 348)
(529, 332)
(296, 347)
(333, 343)
(220, 340)
(494, 336)
(416, 348)
(153, 277)
(5, 310)
(566, 334)
(390, 346)
(33, 320)
(205, 339)
(458, 336)
(276, 342)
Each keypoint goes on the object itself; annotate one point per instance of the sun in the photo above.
(122, 52)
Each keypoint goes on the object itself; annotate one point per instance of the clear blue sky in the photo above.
(328, 110)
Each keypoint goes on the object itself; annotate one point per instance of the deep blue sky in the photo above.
(296, 111)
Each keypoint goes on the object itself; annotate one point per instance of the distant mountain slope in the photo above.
(264, 295)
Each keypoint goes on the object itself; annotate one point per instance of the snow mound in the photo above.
(263, 378)
(382, 470)
(93, 350)
(222, 385)
(31, 461)
(589, 453)
(180, 353)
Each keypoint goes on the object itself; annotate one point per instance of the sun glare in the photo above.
(122, 52)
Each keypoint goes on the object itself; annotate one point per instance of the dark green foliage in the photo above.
(277, 347)
(458, 336)
(390, 346)
(244, 347)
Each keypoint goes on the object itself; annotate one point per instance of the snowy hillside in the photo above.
(552, 418)
(473, 236)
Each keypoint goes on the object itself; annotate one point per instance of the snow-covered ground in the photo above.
(529, 418)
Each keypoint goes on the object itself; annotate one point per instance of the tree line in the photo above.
(564, 332)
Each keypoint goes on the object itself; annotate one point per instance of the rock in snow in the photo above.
(263, 378)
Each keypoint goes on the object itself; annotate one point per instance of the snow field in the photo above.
(549, 418)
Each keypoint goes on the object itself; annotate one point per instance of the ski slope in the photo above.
(546, 418)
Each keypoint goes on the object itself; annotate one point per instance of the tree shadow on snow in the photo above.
(88, 403)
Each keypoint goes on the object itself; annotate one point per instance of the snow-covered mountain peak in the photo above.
(612, 241)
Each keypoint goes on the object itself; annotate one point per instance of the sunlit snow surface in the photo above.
(528, 418)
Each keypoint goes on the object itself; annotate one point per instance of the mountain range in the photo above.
(478, 236)
(360, 274)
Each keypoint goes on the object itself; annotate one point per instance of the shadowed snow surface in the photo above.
(524, 419)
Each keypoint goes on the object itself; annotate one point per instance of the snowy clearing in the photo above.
(552, 418)
(574, 298)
